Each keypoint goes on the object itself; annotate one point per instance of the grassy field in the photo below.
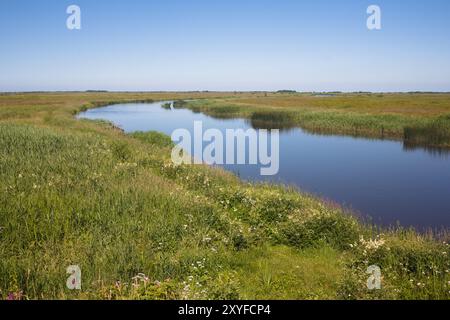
(77, 192)
(418, 119)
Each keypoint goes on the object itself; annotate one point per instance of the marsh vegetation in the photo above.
(82, 192)
(417, 119)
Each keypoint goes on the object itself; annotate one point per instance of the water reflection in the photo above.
(434, 151)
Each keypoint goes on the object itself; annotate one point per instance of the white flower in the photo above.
(372, 244)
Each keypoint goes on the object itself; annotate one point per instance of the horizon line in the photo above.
(221, 91)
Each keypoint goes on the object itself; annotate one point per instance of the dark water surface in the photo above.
(377, 178)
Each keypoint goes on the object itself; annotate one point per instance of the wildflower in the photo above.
(140, 277)
(421, 285)
(372, 244)
(14, 296)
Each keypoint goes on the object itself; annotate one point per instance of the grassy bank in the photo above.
(77, 192)
(417, 119)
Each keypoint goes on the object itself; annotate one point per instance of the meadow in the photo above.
(78, 192)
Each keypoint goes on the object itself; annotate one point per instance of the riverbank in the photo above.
(84, 193)
(418, 119)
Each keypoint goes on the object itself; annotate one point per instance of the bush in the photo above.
(336, 230)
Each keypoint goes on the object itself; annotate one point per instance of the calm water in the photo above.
(380, 179)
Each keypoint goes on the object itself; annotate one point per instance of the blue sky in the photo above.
(313, 45)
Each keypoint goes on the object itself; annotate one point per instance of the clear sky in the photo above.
(312, 45)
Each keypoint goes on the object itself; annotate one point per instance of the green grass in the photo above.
(83, 192)
(283, 273)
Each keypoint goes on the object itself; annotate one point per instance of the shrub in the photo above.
(335, 230)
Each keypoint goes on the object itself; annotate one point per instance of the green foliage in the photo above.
(412, 268)
(153, 137)
(166, 106)
(334, 230)
(121, 150)
(434, 133)
(273, 120)
(179, 104)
